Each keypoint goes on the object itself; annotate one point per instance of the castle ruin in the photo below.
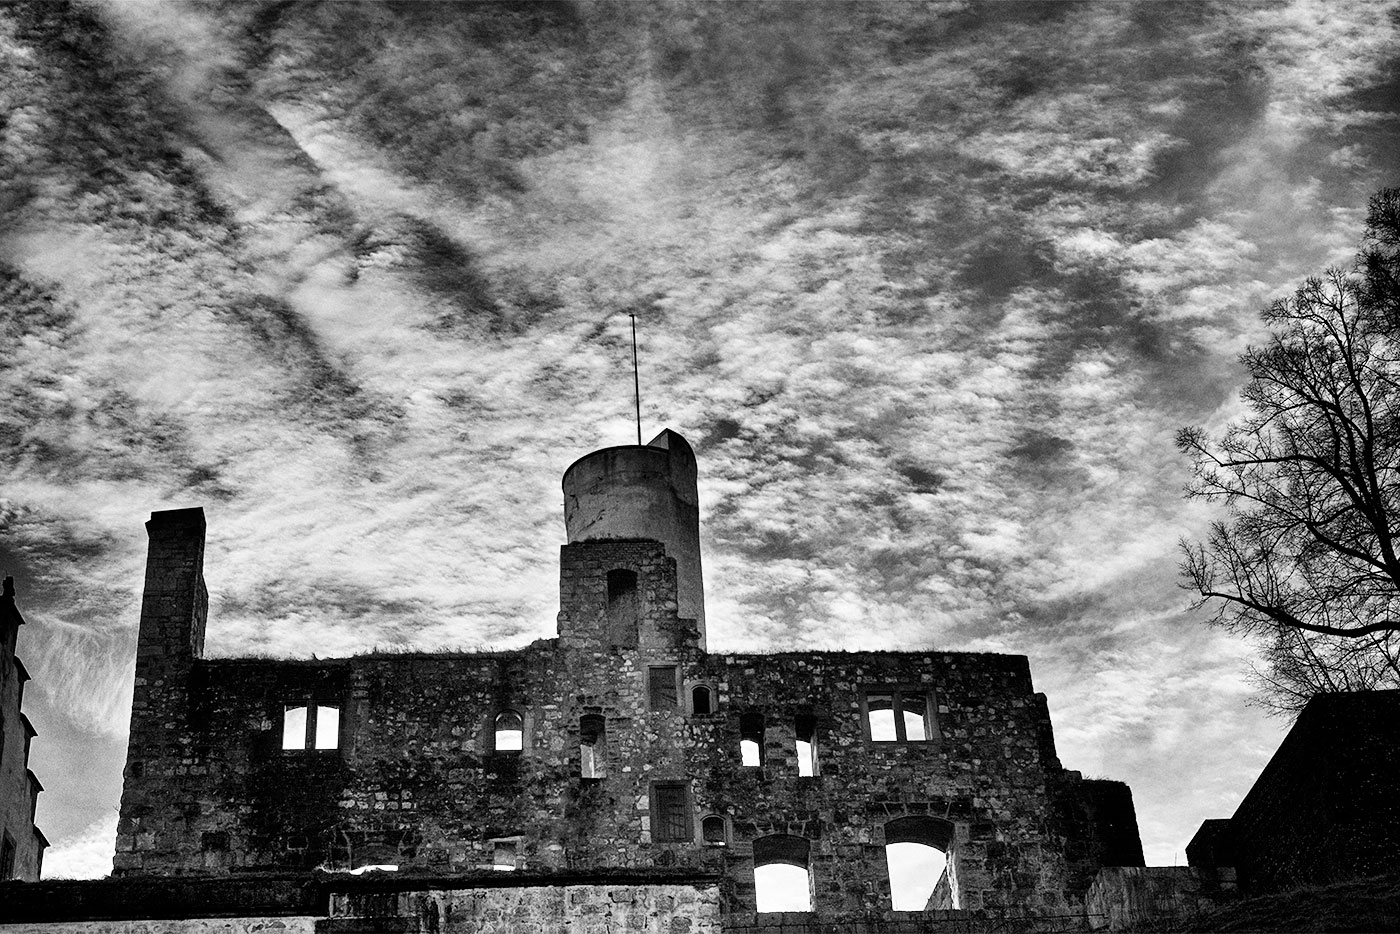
(622, 746)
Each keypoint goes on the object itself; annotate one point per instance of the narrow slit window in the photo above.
(700, 700)
(592, 744)
(327, 727)
(670, 816)
(622, 608)
(751, 740)
(661, 687)
(806, 746)
(510, 732)
(294, 728)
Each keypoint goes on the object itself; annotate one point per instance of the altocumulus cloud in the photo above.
(929, 286)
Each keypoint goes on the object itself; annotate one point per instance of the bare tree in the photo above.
(1309, 559)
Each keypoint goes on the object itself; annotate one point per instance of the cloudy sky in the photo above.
(928, 286)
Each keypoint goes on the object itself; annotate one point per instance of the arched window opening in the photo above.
(622, 608)
(751, 739)
(592, 731)
(782, 881)
(510, 731)
(700, 702)
(715, 830)
(806, 730)
(916, 849)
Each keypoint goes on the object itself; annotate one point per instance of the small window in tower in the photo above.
(751, 739)
(700, 700)
(715, 830)
(622, 608)
(592, 746)
(7, 858)
(661, 687)
(505, 854)
(806, 746)
(670, 812)
(510, 732)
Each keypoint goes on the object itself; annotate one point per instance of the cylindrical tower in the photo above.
(646, 492)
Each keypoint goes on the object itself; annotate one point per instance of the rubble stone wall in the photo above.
(416, 780)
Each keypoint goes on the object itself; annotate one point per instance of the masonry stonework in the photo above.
(620, 744)
(22, 844)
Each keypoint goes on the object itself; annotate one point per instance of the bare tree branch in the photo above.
(1309, 559)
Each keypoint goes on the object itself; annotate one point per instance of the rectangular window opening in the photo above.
(661, 687)
(751, 737)
(899, 716)
(592, 744)
(306, 726)
(670, 817)
(806, 747)
(327, 727)
(623, 611)
(505, 855)
(294, 728)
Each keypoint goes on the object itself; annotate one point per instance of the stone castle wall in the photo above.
(416, 779)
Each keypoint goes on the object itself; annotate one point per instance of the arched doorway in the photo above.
(921, 874)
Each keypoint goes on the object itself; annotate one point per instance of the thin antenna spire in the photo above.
(636, 380)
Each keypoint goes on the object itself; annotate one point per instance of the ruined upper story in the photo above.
(22, 844)
(622, 742)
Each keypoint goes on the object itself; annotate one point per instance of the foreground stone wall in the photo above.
(667, 903)
(1325, 809)
(568, 909)
(1122, 898)
(166, 926)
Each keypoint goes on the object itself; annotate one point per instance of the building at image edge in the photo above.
(621, 745)
(22, 844)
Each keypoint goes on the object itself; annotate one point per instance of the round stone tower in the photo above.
(642, 491)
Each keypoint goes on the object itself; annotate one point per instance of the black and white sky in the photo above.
(929, 287)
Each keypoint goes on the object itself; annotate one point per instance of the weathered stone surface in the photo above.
(1123, 897)
(165, 926)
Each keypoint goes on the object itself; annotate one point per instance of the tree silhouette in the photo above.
(1309, 558)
